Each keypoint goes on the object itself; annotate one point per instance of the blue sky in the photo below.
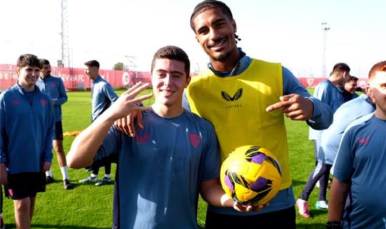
(288, 32)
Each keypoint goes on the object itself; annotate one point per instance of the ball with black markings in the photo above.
(251, 174)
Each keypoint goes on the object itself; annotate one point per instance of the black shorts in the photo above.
(23, 185)
(58, 131)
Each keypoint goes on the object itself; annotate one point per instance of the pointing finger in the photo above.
(286, 97)
(278, 105)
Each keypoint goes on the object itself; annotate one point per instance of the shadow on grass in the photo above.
(75, 185)
(298, 182)
(316, 212)
(311, 226)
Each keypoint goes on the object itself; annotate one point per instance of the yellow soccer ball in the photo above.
(251, 174)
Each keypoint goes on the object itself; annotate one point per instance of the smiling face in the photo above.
(28, 75)
(169, 80)
(377, 91)
(215, 32)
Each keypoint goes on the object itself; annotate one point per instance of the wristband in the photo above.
(334, 225)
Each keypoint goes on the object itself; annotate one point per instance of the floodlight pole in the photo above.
(65, 54)
(325, 28)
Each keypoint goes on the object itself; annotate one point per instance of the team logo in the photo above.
(43, 101)
(310, 81)
(363, 141)
(53, 84)
(142, 139)
(15, 102)
(236, 96)
(195, 139)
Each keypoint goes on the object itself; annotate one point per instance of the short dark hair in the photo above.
(28, 60)
(44, 62)
(210, 4)
(172, 53)
(378, 67)
(92, 63)
(351, 78)
(340, 67)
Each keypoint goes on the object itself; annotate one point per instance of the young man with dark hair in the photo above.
(54, 87)
(103, 95)
(27, 129)
(174, 158)
(92, 63)
(330, 90)
(359, 168)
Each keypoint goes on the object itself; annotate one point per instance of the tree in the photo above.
(119, 66)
